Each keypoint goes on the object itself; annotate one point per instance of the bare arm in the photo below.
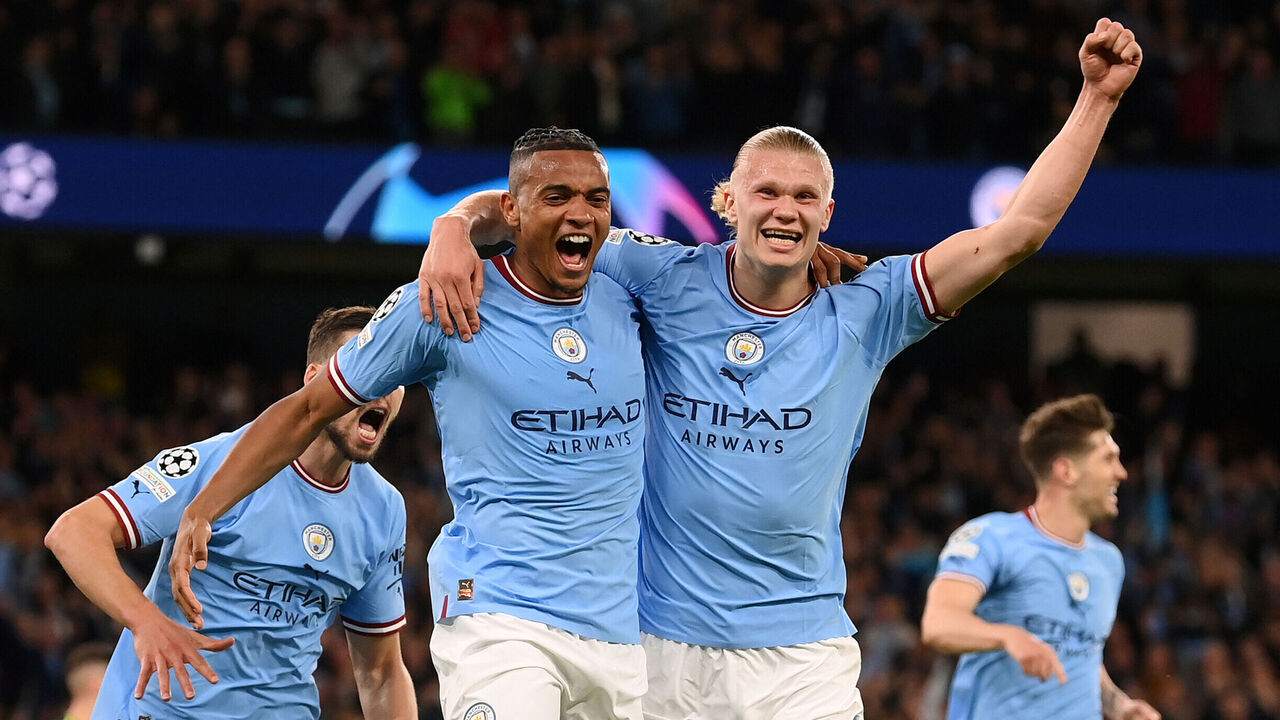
(272, 441)
(386, 690)
(84, 539)
(950, 625)
(966, 263)
(1116, 705)
(451, 277)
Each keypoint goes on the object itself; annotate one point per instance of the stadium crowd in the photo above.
(962, 79)
(1198, 631)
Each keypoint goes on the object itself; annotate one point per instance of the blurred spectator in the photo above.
(84, 668)
(968, 80)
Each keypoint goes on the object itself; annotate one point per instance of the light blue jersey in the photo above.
(284, 564)
(542, 424)
(755, 414)
(1062, 592)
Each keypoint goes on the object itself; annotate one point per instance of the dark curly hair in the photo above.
(540, 139)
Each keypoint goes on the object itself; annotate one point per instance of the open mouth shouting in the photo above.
(574, 251)
(369, 424)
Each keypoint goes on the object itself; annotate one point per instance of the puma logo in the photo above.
(575, 376)
(742, 384)
(137, 490)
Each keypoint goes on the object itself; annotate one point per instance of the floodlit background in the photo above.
(184, 184)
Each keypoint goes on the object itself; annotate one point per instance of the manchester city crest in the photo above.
(1078, 586)
(318, 541)
(569, 345)
(480, 711)
(744, 349)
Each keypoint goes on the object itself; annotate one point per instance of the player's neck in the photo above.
(1061, 519)
(770, 287)
(325, 462)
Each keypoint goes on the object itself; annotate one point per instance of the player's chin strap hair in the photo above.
(540, 139)
(780, 137)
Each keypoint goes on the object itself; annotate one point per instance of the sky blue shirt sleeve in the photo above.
(634, 259)
(377, 608)
(392, 350)
(148, 503)
(973, 554)
(900, 314)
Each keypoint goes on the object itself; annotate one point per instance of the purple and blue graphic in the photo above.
(645, 196)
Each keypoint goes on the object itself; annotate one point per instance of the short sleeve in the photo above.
(148, 503)
(905, 310)
(377, 608)
(972, 554)
(635, 259)
(392, 350)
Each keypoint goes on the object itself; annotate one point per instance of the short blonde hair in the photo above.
(779, 137)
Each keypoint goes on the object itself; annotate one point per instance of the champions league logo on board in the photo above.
(28, 185)
(645, 195)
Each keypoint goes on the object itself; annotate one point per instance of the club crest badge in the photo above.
(569, 345)
(744, 349)
(318, 541)
(480, 711)
(1078, 586)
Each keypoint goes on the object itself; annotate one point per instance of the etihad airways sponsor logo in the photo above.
(577, 419)
(735, 416)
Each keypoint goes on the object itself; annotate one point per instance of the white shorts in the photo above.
(494, 666)
(814, 681)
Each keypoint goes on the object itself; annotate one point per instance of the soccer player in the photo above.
(542, 427)
(1031, 595)
(759, 386)
(324, 538)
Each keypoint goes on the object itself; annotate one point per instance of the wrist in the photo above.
(1093, 96)
(459, 223)
(1006, 634)
(139, 612)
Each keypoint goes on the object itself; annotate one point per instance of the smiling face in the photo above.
(560, 208)
(780, 202)
(1099, 473)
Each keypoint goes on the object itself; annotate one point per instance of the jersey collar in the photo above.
(504, 268)
(1030, 512)
(752, 307)
(313, 482)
